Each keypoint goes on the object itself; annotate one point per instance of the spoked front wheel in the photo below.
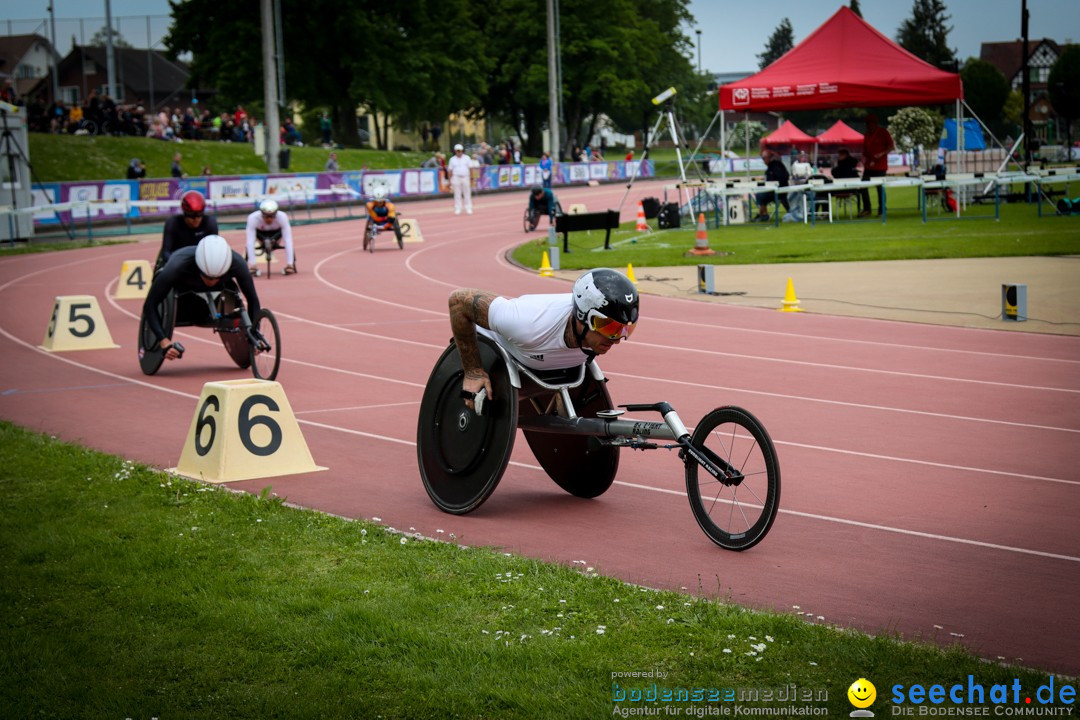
(531, 220)
(265, 362)
(735, 511)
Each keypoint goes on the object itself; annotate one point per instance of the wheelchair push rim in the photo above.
(151, 356)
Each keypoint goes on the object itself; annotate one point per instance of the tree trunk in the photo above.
(345, 130)
(533, 126)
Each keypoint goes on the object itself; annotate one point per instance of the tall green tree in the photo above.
(985, 90)
(782, 40)
(926, 34)
(1064, 85)
(101, 39)
(855, 7)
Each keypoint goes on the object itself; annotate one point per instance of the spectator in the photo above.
(331, 163)
(176, 171)
(630, 155)
(425, 132)
(545, 169)
(503, 154)
(575, 153)
(7, 93)
(877, 144)
(206, 171)
(436, 133)
(846, 166)
(774, 172)
(325, 128)
(136, 170)
(801, 170)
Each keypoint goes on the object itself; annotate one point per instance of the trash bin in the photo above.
(283, 158)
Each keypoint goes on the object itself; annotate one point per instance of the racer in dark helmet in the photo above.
(544, 331)
(542, 202)
(187, 228)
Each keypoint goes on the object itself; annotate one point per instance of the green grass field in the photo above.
(1019, 232)
(130, 593)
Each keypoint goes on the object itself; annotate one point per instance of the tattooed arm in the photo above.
(469, 308)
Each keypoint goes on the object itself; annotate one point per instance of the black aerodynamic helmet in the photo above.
(537, 189)
(606, 301)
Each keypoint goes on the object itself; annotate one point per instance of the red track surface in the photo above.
(930, 482)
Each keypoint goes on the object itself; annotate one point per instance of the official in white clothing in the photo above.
(460, 180)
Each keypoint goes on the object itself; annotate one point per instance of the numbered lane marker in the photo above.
(244, 429)
(135, 277)
(410, 230)
(77, 324)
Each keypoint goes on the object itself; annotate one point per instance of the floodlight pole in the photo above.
(270, 87)
(553, 86)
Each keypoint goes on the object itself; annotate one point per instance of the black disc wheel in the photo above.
(462, 455)
(150, 353)
(735, 511)
(580, 465)
(266, 361)
(231, 334)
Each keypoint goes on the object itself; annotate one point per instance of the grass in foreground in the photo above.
(130, 593)
(1019, 232)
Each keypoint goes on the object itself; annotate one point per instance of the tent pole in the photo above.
(746, 157)
(962, 148)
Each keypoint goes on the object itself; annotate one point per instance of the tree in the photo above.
(913, 128)
(855, 8)
(782, 40)
(925, 34)
(985, 90)
(101, 39)
(737, 135)
(1064, 85)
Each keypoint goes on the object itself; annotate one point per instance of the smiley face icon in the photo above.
(862, 693)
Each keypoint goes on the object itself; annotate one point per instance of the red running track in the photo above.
(930, 482)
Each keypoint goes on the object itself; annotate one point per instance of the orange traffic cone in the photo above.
(642, 226)
(701, 241)
(545, 267)
(791, 303)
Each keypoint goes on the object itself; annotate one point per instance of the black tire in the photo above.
(531, 220)
(462, 456)
(151, 356)
(398, 235)
(231, 334)
(580, 465)
(735, 516)
(264, 365)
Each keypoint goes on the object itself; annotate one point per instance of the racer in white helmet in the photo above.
(270, 225)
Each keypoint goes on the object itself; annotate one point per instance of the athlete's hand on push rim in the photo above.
(474, 382)
(171, 353)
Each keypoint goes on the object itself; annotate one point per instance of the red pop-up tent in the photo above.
(844, 63)
(786, 135)
(841, 134)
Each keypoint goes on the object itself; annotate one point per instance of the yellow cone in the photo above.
(791, 303)
(630, 273)
(545, 267)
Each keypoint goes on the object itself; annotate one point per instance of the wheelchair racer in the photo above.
(544, 331)
(208, 267)
(187, 228)
(270, 224)
(382, 213)
(542, 202)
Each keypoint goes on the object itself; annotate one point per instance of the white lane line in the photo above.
(886, 528)
(356, 407)
(843, 403)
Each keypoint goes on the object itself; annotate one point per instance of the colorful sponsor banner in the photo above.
(240, 192)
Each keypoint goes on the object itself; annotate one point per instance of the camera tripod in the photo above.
(667, 112)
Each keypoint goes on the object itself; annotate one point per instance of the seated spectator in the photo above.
(846, 166)
(801, 170)
(136, 170)
(332, 163)
(774, 172)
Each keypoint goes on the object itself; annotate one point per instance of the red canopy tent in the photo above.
(786, 135)
(844, 63)
(841, 134)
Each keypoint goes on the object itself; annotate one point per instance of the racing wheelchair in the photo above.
(266, 242)
(250, 344)
(532, 217)
(730, 466)
(372, 230)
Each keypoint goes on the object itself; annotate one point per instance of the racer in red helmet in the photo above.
(187, 228)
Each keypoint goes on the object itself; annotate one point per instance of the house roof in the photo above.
(844, 63)
(1009, 56)
(131, 67)
(13, 48)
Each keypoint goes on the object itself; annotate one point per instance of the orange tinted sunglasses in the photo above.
(611, 329)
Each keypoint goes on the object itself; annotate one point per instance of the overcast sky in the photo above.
(733, 32)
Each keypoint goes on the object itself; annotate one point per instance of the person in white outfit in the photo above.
(460, 180)
(270, 224)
